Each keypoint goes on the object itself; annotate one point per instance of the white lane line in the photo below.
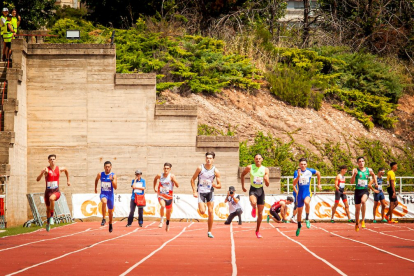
(153, 252)
(50, 239)
(316, 256)
(389, 235)
(233, 252)
(38, 230)
(364, 243)
(70, 253)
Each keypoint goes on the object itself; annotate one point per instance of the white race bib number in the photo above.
(362, 183)
(303, 180)
(164, 190)
(258, 180)
(106, 186)
(52, 185)
(380, 187)
(206, 183)
(342, 185)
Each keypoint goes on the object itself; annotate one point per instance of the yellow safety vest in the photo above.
(14, 24)
(4, 26)
(7, 34)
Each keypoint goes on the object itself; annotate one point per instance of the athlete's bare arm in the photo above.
(266, 177)
(63, 169)
(218, 185)
(43, 172)
(284, 207)
(114, 181)
(158, 176)
(337, 180)
(370, 185)
(246, 171)
(174, 180)
(98, 176)
(372, 174)
(354, 174)
(318, 176)
(197, 172)
(296, 180)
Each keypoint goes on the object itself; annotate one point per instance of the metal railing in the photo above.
(404, 184)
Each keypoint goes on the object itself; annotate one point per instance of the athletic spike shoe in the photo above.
(258, 235)
(52, 221)
(384, 220)
(286, 221)
(48, 227)
(297, 232)
(351, 220)
(356, 227)
(167, 227)
(110, 228)
(308, 225)
(332, 221)
(160, 225)
(103, 222)
(140, 225)
(210, 235)
(363, 224)
(392, 221)
(293, 220)
(374, 221)
(254, 212)
(128, 225)
(268, 218)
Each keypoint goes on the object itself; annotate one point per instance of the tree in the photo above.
(35, 13)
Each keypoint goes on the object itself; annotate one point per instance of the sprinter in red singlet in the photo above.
(52, 192)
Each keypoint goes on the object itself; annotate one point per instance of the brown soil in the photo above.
(405, 113)
(263, 112)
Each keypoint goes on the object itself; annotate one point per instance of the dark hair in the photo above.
(168, 164)
(290, 198)
(257, 155)
(14, 9)
(303, 159)
(360, 158)
(107, 162)
(343, 167)
(392, 164)
(211, 153)
(52, 155)
(381, 169)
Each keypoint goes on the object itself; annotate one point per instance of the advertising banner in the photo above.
(186, 207)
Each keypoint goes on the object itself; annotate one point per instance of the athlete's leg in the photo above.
(299, 215)
(375, 209)
(259, 217)
(347, 209)
(202, 207)
(382, 208)
(168, 213)
(334, 209)
(210, 206)
(110, 214)
(253, 201)
(104, 202)
(364, 206)
(283, 212)
(357, 210)
(162, 203)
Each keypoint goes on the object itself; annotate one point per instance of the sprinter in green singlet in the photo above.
(258, 175)
(360, 177)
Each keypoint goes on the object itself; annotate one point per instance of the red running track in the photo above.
(325, 249)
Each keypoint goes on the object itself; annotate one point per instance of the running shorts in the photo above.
(49, 193)
(359, 193)
(378, 197)
(168, 202)
(301, 198)
(340, 195)
(110, 199)
(258, 193)
(205, 197)
(390, 194)
(275, 214)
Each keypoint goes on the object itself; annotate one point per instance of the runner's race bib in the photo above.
(303, 181)
(52, 185)
(258, 180)
(379, 187)
(342, 185)
(362, 183)
(164, 190)
(206, 183)
(106, 186)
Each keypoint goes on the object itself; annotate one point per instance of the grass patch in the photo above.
(21, 230)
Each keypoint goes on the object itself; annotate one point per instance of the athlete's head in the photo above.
(52, 159)
(258, 159)
(393, 166)
(289, 200)
(343, 169)
(361, 162)
(210, 157)
(108, 167)
(167, 167)
(303, 163)
(5, 12)
(381, 171)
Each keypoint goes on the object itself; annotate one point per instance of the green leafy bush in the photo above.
(207, 130)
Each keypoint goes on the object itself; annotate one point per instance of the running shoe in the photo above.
(254, 212)
(160, 225)
(351, 220)
(52, 221)
(210, 235)
(392, 221)
(374, 221)
(110, 228)
(356, 227)
(167, 227)
(140, 225)
(103, 222)
(298, 232)
(240, 223)
(332, 221)
(308, 224)
(268, 218)
(384, 220)
(286, 221)
(363, 224)
(128, 225)
(48, 227)
(258, 235)
(386, 217)
(293, 220)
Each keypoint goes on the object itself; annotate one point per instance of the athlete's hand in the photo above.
(244, 189)
(96, 190)
(394, 196)
(111, 177)
(155, 191)
(354, 171)
(68, 183)
(299, 172)
(319, 187)
(376, 191)
(195, 194)
(19, 18)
